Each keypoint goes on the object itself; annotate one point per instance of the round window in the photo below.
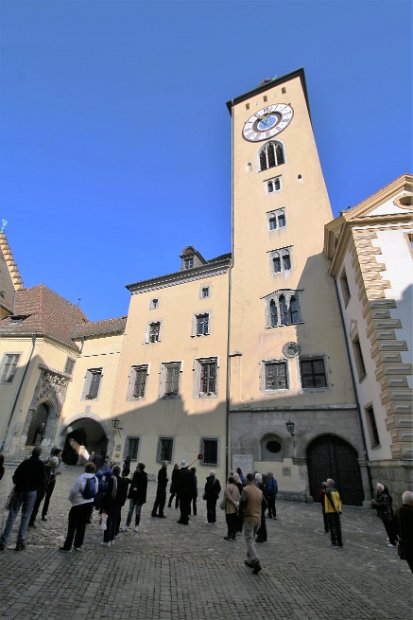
(273, 446)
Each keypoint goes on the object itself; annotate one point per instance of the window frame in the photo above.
(209, 463)
(202, 324)
(8, 368)
(160, 457)
(91, 373)
(166, 368)
(358, 358)
(274, 216)
(201, 364)
(133, 377)
(312, 359)
(275, 183)
(345, 287)
(156, 337)
(127, 445)
(279, 258)
(274, 160)
(266, 364)
(276, 310)
(372, 429)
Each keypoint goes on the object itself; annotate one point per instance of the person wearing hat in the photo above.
(211, 494)
(160, 498)
(186, 490)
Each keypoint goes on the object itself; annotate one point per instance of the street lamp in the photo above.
(290, 428)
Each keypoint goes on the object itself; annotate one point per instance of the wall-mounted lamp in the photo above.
(115, 425)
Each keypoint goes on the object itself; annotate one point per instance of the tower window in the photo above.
(281, 260)
(271, 155)
(154, 332)
(283, 309)
(273, 185)
(275, 375)
(276, 219)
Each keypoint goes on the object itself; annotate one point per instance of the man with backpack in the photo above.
(81, 495)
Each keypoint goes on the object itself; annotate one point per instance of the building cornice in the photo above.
(212, 269)
(290, 408)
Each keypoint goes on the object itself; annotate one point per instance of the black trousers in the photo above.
(50, 489)
(232, 524)
(78, 518)
(334, 525)
(211, 505)
(185, 506)
(160, 500)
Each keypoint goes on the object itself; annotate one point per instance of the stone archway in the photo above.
(329, 456)
(86, 432)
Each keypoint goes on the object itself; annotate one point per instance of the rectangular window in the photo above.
(358, 357)
(164, 451)
(202, 324)
(138, 381)
(170, 375)
(92, 384)
(372, 427)
(274, 185)
(209, 451)
(70, 363)
(9, 367)
(189, 262)
(276, 376)
(205, 292)
(345, 287)
(131, 448)
(313, 374)
(154, 332)
(154, 303)
(207, 376)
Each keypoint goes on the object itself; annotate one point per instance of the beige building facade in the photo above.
(370, 250)
(236, 361)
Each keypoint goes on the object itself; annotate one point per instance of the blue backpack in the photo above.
(89, 491)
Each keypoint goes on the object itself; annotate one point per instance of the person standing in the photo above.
(111, 505)
(173, 489)
(251, 510)
(137, 496)
(321, 497)
(232, 497)
(211, 494)
(160, 499)
(333, 507)
(54, 464)
(383, 504)
(195, 496)
(81, 509)
(404, 526)
(29, 476)
(271, 490)
(262, 530)
(185, 485)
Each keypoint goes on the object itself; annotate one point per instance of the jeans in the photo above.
(134, 505)
(24, 500)
(250, 531)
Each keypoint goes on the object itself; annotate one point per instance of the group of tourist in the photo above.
(245, 502)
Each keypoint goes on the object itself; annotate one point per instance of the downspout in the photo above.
(18, 393)
(228, 382)
(353, 379)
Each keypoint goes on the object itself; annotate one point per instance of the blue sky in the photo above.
(115, 136)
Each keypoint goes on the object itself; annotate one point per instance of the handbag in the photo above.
(402, 549)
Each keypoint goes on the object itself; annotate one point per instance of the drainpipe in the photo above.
(18, 393)
(353, 379)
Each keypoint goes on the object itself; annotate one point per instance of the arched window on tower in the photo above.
(273, 314)
(294, 310)
(283, 308)
(271, 155)
(286, 260)
(276, 262)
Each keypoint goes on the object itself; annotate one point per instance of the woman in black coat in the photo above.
(383, 504)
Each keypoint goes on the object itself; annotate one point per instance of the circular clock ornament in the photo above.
(268, 122)
(291, 349)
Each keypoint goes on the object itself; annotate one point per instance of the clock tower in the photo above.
(288, 358)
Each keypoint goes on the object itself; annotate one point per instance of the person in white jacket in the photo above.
(80, 512)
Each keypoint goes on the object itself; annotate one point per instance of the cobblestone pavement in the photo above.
(169, 571)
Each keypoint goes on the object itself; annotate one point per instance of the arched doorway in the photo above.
(88, 433)
(332, 457)
(37, 428)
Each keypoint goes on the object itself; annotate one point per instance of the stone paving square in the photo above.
(170, 572)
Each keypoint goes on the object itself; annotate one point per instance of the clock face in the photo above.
(268, 122)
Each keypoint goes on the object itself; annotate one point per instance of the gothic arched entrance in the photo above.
(88, 433)
(37, 428)
(329, 456)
